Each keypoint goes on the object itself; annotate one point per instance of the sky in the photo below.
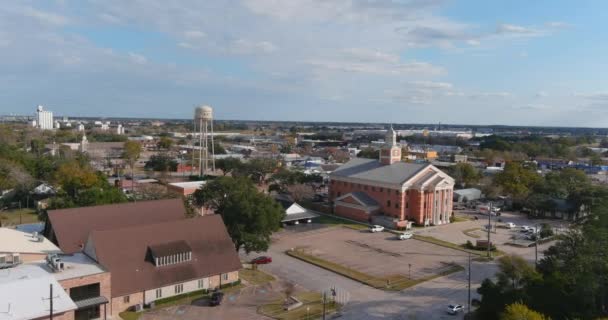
(511, 62)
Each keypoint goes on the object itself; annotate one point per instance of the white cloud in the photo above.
(557, 24)
(515, 29)
(137, 58)
(44, 17)
(542, 94)
(482, 95)
(432, 85)
(243, 46)
(194, 34)
(596, 96)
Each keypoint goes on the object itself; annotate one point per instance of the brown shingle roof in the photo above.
(169, 248)
(124, 253)
(72, 226)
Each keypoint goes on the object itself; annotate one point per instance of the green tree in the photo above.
(161, 162)
(165, 143)
(464, 174)
(519, 311)
(250, 216)
(369, 153)
(517, 180)
(256, 169)
(228, 165)
(131, 153)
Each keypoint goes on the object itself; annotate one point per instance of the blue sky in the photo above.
(411, 61)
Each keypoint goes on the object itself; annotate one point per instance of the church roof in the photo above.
(373, 170)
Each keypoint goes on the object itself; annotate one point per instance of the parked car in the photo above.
(524, 229)
(510, 225)
(405, 235)
(262, 260)
(454, 309)
(216, 298)
(376, 228)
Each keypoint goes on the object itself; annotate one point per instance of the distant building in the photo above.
(120, 129)
(44, 119)
(466, 195)
(185, 188)
(80, 127)
(391, 192)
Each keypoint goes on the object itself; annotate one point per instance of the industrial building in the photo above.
(44, 119)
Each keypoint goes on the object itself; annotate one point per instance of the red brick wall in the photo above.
(382, 197)
(416, 206)
(118, 304)
(352, 213)
(104, 280)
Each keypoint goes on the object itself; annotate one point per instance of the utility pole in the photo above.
(536, 233)
(324, 297)
(469, 294)
(489, 227)
(50, 298)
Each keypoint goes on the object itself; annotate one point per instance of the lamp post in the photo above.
(536, 234)
(410, 270)
(469, 287)
(489, 227)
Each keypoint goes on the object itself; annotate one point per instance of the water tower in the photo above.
(203, 126)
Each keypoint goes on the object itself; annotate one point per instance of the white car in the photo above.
(454, 309)
(510, 225)
(376, 228)
(405, 235)
(524, 228)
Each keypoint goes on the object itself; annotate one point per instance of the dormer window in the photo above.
(170, 253)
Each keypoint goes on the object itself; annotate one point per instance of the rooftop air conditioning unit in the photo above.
(40, 238)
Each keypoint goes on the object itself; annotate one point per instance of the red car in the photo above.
(262, 260)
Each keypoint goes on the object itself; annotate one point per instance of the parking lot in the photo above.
(378, 254)
(473, 230)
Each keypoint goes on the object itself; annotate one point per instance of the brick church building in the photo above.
(391, 191)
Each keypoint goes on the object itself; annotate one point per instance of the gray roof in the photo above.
(300, 216)
(364, 198)
(468, 192)
(373, 170)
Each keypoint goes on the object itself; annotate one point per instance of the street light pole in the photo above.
(469, 287)
(489, 227)
(536, 246)
(410, 271)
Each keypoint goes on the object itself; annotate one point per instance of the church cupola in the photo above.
(390, 151)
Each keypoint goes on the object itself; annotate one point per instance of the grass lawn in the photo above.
(336, 221)
(129, 315)
(312, 308)
(18, 216)
(391, 282)
(255, 277)
(460, 219)
(470, 233)
(454, 246)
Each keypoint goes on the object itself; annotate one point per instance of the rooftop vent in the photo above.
(54, 262)
(9, 260)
